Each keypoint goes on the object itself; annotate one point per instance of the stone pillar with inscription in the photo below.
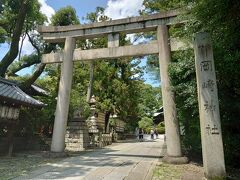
(211, 136)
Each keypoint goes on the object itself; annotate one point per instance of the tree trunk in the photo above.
(107, 116)
(89, 91)
(13, 51)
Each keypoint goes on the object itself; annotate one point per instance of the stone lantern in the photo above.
(92, 125)
(91, 122)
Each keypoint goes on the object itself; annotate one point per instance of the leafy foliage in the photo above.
(183, 76)
(65, 16)
(118, 85)
(145, 123)
(17, 19)
(221, 19)
(161, 128)
(222, 27)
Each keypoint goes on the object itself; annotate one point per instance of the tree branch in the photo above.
(20, 51)
(26, 84)
(26, 61)
(33, 44)
(13, 51)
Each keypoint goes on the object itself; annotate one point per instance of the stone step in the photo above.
(73, 140)
(77, 136)
(77, 131)
(71, 135)
(76, 124)
(77, 127)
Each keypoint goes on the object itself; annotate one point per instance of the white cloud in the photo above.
(117, 9)
(46, 9)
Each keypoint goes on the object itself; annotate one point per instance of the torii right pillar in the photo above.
(174, 153)
(211, 134)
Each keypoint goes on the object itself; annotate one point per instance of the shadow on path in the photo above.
(116, 161)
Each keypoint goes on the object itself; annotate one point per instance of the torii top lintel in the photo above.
(126, 25)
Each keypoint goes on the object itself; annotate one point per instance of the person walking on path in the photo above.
(152, 134)
(140, 134)
(156, 133)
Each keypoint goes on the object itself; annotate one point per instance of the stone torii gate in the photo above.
(209, 111)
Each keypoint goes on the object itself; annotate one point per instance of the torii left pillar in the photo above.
(61, 114)
(174, 152)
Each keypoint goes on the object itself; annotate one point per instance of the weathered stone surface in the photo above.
(63, 99)
(211, 134)
(76, 123)
(112, 52)
(169, 106)
(175, 160)
(77, 136)
(71, 140)
(113, 40)
(127, 25)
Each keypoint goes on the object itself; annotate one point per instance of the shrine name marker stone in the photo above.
(211, 136)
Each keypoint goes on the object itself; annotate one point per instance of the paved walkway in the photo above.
(128, 160)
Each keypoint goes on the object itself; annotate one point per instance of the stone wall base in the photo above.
(105, 139)
(77, 136)
(175, 160)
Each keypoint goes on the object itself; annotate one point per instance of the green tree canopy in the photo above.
(16, 19)
(65, 16)
(220, 19)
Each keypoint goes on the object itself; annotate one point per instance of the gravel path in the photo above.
(127, 160)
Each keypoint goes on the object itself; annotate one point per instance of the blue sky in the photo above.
(115, 9)
(82, 6)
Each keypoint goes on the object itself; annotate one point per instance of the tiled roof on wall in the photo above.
(11, 93)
